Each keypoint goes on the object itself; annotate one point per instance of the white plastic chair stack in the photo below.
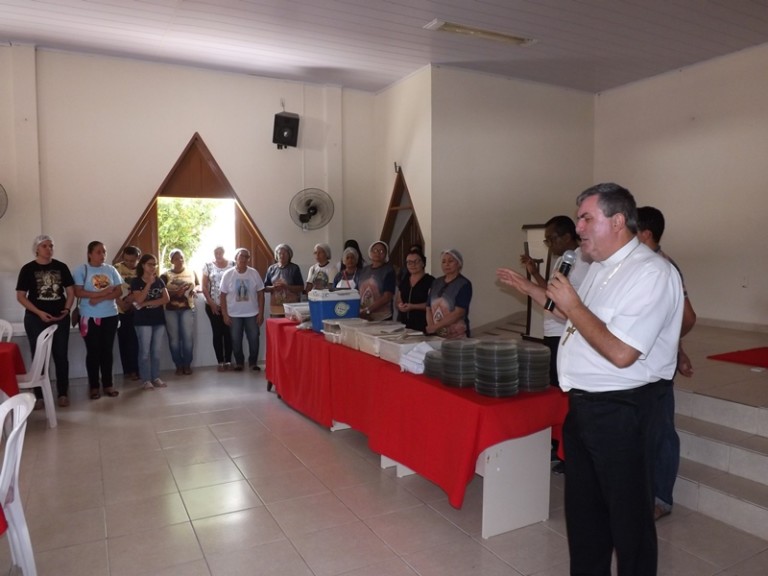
(38, 374)
(6, 331)
(19, 407)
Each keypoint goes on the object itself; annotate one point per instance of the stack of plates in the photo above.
(533, 359)
(433, 364)
(496, 368)
(459, 362)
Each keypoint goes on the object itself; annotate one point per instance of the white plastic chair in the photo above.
(18, 407)
(38, 374)
(6, 330)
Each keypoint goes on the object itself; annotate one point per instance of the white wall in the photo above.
(403, 116)
(505, 153)
(111, 129)
(694, 144)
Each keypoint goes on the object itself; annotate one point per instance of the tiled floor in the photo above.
(216, 476)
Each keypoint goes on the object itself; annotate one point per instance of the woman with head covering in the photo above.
(212, 273)
(377, 284)
(45, 289)
(180, 311)
(322, 272)
(352, 243)
(283, 280)
(347, 278)
(449, 298)
(98, 285)
(413, 291)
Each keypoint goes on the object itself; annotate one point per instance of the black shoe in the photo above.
(559, 468)
(256, 368)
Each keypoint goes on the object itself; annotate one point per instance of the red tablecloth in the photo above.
(436, 431)
(11, 364)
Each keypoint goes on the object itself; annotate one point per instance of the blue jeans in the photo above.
(180, 325)
(248, 325)
(667, 449)
(150, 343)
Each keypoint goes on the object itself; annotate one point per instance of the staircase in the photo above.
(724, 460)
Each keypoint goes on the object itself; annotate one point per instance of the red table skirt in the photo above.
(437, 431)
(11, 364)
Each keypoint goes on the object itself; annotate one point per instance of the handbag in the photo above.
(74, 316)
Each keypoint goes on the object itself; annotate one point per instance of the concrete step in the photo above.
(731, 499)
(724, 461)
(741, 417)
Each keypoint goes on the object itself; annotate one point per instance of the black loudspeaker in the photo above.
(286, 132)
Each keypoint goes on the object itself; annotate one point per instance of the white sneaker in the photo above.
(148, 386)
(159, 383)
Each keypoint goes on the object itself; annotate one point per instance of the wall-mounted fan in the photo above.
(311, 209)
(3, 201)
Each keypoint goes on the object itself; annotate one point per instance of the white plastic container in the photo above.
(354, 335)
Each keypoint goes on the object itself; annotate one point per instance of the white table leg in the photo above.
(515, 483)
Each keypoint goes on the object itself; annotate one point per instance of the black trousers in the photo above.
(33, 326)
(99, 342)
(608, 439)
(553, 343)
(222, 337)
(128, 343)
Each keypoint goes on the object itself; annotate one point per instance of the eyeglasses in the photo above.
(413, 261)
(379, 250)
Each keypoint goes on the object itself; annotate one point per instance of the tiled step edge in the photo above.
(722, 448)
(723, 412)
(731, 499)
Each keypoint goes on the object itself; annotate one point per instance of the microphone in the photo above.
(569, 259)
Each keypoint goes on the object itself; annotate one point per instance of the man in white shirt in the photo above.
(559, 236)
(619, 348)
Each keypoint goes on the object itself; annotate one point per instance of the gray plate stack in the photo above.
(533, 366)
(496, 368)
(433, 364)
(459, 362)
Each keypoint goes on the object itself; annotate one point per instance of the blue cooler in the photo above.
(327, 305)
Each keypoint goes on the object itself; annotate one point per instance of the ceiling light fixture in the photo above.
(443, 26)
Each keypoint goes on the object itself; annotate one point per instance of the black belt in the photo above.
(616, 395)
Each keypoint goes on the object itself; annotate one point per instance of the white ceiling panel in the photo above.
(590, 45)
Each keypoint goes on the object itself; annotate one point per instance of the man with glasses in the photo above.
(559, 236)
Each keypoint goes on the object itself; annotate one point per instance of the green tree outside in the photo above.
(181, 222)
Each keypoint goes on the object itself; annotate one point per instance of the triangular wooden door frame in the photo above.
(196, 174)
(411, 231)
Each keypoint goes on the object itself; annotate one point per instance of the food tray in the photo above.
(298, 311)
(332, 337)
(393, 348)
(334, 324)
(349, 332)
(370, 340)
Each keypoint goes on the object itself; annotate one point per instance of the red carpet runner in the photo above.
(751, 357)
